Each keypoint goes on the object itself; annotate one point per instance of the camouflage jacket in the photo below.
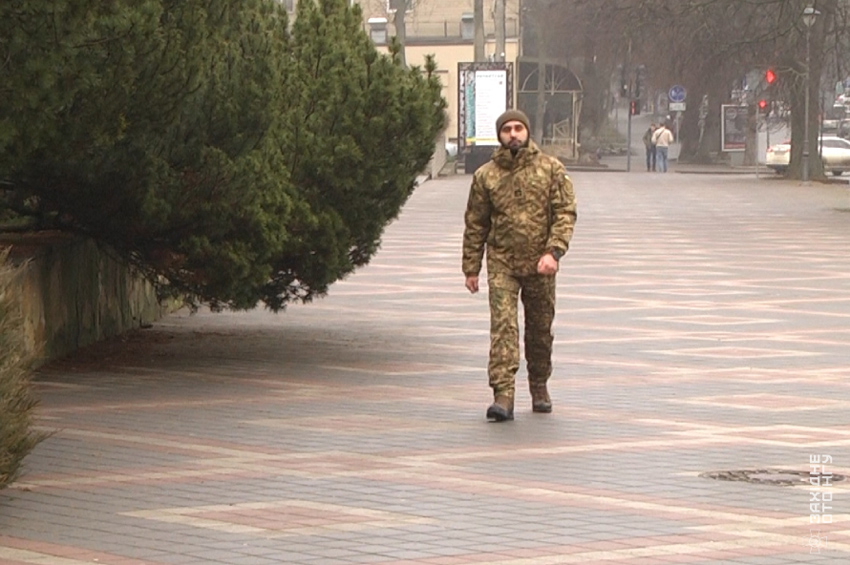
(520, 207)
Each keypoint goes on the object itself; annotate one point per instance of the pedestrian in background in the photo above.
(650, 147)
(662, 137)
(522, 209)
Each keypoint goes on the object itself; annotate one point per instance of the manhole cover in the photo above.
(775, 477)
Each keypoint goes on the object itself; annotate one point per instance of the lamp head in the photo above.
(809, 16)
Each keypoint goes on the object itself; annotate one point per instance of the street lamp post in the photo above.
(809, 15)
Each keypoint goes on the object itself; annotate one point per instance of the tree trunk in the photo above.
(500, 30)
(701, 142)
(594, 108)
(478, 20)
(818, 47)
(400, 7)
(711, 141)
(799, 117)
(542, 54)
(750, 141)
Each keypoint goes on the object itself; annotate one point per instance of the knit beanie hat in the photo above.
(510, 116)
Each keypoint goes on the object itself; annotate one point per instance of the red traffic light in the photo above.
(762, 104)
(769, 76)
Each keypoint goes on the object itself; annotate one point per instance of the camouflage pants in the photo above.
(538, 299)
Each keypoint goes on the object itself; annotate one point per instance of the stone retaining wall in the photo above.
(438, 159)
(73, 293)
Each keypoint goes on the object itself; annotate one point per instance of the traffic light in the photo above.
(624, 83)
(634, 107)
(767, 93)
(769, 76)
(639, 81)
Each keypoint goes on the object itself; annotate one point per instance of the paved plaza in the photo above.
(702, 330)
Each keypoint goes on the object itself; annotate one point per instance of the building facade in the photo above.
(444, 29)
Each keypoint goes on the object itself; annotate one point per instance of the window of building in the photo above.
(378, 30)
(467, 26)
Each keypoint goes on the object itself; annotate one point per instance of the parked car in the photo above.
(835, 152)
(833, 119)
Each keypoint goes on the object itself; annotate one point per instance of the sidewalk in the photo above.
(703, 324)
(638, 154)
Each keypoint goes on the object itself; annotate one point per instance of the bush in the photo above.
(608, 141)
(16, 401)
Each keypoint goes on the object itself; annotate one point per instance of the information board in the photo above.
(733, 127)
(485, 90)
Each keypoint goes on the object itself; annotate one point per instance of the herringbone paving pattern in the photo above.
(703, 325)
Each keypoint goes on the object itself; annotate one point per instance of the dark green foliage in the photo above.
(233, 162)
(16, 401)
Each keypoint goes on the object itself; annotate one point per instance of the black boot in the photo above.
(502, 409)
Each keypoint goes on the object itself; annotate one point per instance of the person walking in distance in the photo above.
(650, 147)
(662, 137)
(522, 209)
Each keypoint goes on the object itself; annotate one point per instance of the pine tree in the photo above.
(231, 162)
(359, 129)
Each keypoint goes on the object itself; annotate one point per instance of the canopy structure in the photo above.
(560, 101)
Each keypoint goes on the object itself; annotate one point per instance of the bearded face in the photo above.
(513, 136)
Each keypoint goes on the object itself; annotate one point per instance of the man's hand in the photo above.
(472, 283)
(547, 265)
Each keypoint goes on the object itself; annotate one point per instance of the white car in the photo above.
(835, 151)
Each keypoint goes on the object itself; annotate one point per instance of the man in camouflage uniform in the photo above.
(522, 208)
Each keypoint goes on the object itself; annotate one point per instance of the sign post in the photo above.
(758, 119)
(627, 93)
(677, 95)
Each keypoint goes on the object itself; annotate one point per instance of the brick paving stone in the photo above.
(703, 325)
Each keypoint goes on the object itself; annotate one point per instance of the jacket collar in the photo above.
(505, 159)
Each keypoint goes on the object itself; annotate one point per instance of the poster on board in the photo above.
(485, 90)
(733, 127)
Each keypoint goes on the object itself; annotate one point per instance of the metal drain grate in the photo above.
(773, 477)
